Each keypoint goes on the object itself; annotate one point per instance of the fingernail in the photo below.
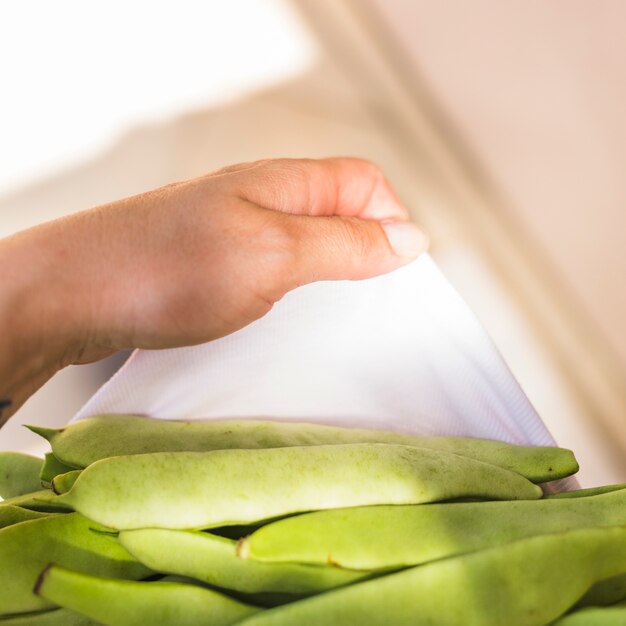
(406, 239)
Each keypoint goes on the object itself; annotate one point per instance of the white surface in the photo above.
(401, 351)
(77, 76)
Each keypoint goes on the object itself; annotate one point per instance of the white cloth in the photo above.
(401, 351)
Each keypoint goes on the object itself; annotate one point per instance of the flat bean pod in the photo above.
(583, 493)
(214, 560)
(82, 443)
(53, 617)
(383, 537)
(188, 490)
(530, 582)
(52, 467)
(10, 515)
(26, 548)
(605, 592)
(44, 500)
(595, 616)
(19, 474)
(62, 483)
(129, 603)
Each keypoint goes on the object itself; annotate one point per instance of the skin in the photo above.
(27, 548)
(384, 537)
(214, 560)
(95, 438)
(129, 603)
(189, 262)
(192, 490)
(19, 474)
(530, 582)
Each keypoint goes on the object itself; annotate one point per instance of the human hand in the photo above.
(191, 261)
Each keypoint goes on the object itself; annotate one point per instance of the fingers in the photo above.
(340, 216)
(343, 186)
(335, 248)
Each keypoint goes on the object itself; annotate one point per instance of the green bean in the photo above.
(214, 560)
(129, 603)
(595, 616)
(10, 514)
(54, 617)
(44, 500)
(19, 474)
(583, 493)
(89, 440)
(52, 467)
(605, 592)
(190, 490)
(26, 548)
(62, 483)
(525, 583)
(383, 537)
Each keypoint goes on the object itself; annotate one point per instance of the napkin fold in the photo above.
(400, 351)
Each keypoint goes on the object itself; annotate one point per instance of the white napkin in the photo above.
(401, 351)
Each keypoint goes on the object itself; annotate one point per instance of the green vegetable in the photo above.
(19, 474)
(130, 603)
(605, 592)
(213, 560)
(383, 537)
(43, 500)
(583, 493)
(54, 617)
(10, 514)
(26, 548)
(595, 616)
(189, 490)
(62, 483)
(525, 583)
(82, 443)
(51, 467)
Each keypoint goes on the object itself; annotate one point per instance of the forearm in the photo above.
(38, 314)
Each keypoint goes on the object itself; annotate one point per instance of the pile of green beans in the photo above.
(131, 521)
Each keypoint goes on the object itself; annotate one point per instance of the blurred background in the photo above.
(500, 123)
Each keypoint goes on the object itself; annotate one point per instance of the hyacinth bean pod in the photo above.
(595, 616)
(26, 548)
(19, 474)
(188, 490)
(52, 467)
(583, 493)
(44, 500)
(214, 560)
(130, 603)
(62, 483)
(82, 443)
(52, 617)
(383, 537)
(605, 592)
(530, 582)
(10, 514)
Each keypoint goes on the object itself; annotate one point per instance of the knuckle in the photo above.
(359, 238)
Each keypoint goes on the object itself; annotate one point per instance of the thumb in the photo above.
(334, 248)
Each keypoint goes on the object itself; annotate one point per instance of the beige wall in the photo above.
(537, 90)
